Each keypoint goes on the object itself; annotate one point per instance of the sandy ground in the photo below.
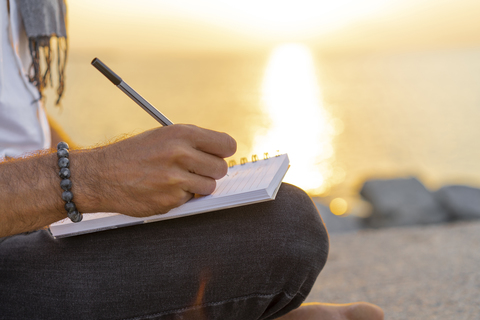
(430, 272)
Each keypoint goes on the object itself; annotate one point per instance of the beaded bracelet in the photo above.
(66, 183)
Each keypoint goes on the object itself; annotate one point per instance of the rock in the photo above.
(402, 202)
(462, 202)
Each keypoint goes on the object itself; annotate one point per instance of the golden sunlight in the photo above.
(211, 24)
(299, 125)
(290, 18)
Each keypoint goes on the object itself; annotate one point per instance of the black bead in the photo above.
(67, 196)
(62, 153)
(62, 145)
(63, 163)
(70, 206)
(64, 173)
(75, 216)
(66, 184)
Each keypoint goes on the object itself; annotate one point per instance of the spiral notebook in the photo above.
(246, 183)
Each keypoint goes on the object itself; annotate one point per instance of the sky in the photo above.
(227, 25)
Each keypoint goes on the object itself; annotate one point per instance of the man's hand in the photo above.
(144, 175)
(152, 172)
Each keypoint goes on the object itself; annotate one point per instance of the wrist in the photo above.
(88, 175)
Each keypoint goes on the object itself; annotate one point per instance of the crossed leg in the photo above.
(253, 262)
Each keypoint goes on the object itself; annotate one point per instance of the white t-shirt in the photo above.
(23, 123)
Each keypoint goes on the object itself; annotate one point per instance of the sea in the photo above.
(390, 114)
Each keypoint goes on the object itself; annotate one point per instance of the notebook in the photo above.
(245, 183)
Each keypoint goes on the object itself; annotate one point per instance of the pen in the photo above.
(122, 85)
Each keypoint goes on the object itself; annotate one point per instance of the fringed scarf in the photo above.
(44, 20)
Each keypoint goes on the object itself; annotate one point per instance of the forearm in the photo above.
(30, 194)
(144, 175)
(31, 197)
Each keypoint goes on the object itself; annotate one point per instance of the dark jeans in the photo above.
(254, 262)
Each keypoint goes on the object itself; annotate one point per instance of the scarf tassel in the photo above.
(41, 53)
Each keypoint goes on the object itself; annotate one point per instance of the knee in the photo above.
(298, 219)
(301, 239)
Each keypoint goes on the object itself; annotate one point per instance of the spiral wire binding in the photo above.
(244, 160)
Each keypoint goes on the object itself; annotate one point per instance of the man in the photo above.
(253, 262)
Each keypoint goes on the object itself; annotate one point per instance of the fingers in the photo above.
(212, 142)
(179, 182)
(200, 151)
(180, 192)
(200, 185)
(162, 168)
(205, 164)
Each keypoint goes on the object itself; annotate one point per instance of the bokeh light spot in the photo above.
(338, 206)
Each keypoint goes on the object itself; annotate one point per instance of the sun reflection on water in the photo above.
(299, 124)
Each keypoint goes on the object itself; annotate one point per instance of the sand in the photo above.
(430, 272)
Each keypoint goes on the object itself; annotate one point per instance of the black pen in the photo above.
(122, 85)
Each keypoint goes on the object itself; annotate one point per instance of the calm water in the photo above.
(394, 114)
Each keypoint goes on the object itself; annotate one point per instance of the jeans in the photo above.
(254, 262)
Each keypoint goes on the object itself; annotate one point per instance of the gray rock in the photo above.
(401, 202)
(462, 202)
